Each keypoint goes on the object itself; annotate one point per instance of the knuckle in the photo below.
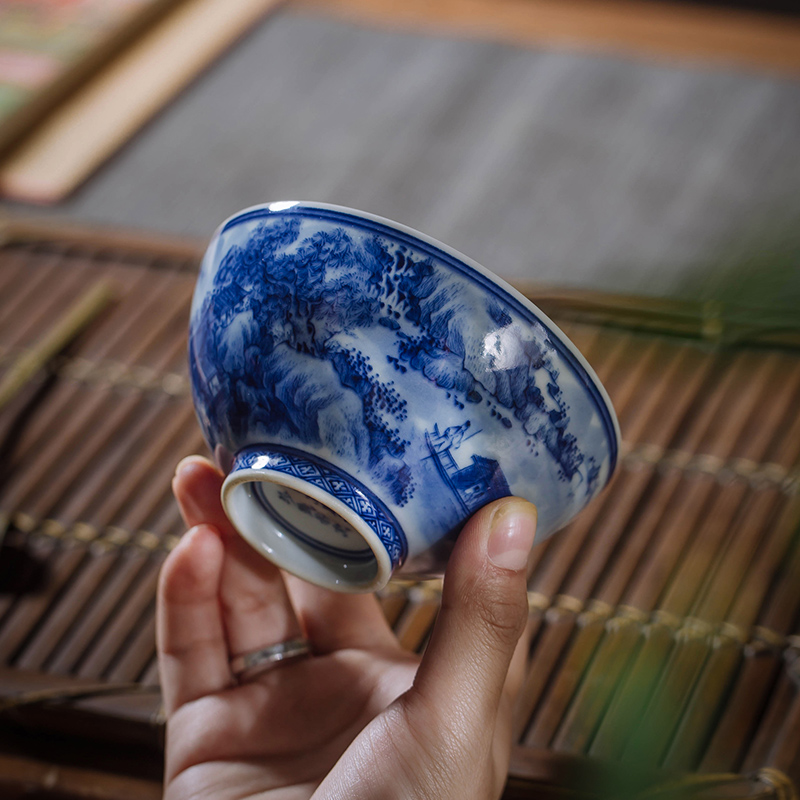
(244, 600)
(501, 614)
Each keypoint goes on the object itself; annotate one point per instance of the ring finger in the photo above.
(256, 609)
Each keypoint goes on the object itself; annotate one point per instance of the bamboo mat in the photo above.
(665, 620)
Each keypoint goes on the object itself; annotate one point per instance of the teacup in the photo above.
(367, 389)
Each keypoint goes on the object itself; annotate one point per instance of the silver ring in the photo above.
(248, 665)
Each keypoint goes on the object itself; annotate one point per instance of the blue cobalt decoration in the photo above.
(338, 485)
(368, 389)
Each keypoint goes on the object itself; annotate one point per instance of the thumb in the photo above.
(484, 611)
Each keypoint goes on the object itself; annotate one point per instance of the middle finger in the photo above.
(255, 605)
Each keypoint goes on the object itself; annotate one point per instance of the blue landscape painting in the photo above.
(350, 343)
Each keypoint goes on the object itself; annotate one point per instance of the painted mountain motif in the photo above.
(344, 340)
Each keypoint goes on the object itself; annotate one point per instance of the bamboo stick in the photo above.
(29, 614)
(86, 433)
(615, 374)
(551, 570)
(722, 660)
(79, 593)
(120, 327)
(25, 483)
(30, 608)
(138, 651)
(729, 402)
(584, 713)
(669, 413)
(76, 319)
(105, 652)
(722, 585)
(784, 754)
(717, 560)
(21, 776)
(66, 564)
(119, 471)
(777, 716)
(767, 562)
(114, 580)
(14, 267)
(685, 662)
(557, 701)
(632, 485)
(117, 573)
(624, 711)
(24, 297)
(150, 675)
(590, 630)
(610, 664)
(49, 417)
(547, 652)
(745, 701)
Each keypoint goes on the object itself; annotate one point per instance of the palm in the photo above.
(263, 731)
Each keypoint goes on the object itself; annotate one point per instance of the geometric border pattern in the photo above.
(336, 483)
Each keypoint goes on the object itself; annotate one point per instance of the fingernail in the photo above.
(513, 529)
(185, 462)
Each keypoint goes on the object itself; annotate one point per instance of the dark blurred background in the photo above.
(780, 6)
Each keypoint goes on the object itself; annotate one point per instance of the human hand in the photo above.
(360, 717)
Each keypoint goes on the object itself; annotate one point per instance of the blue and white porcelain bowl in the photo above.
(367, 389)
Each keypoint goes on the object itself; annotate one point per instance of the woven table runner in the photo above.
(664, 620)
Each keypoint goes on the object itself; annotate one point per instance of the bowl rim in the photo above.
(580, 366)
